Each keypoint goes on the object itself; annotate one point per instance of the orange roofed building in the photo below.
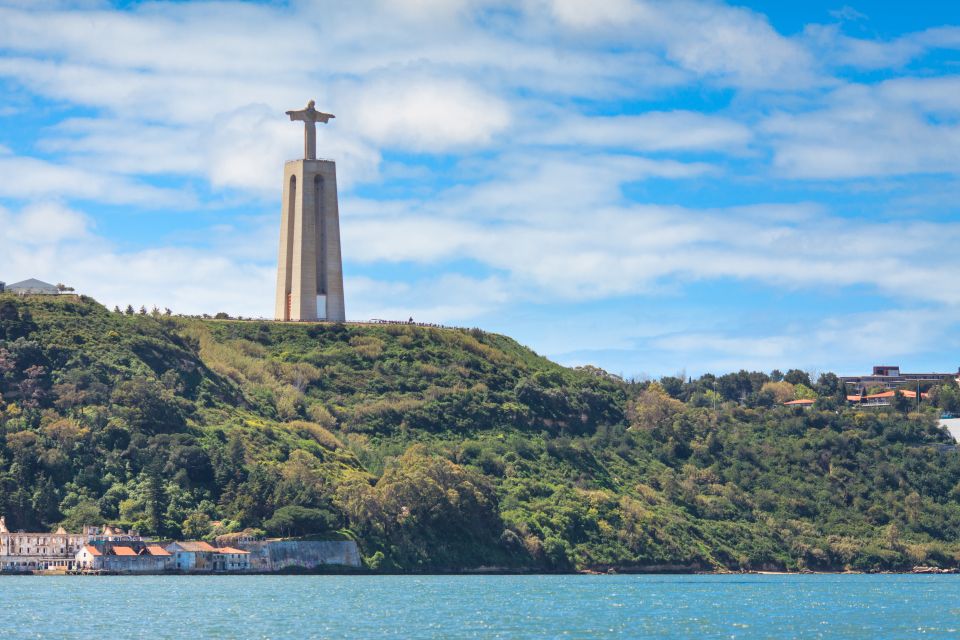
(197, 555)
(883, 399)
(123, 557)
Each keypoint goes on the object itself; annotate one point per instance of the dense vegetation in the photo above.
(441, 449)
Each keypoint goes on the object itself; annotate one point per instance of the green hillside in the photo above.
(443, 449)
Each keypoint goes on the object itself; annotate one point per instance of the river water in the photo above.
(574, 606)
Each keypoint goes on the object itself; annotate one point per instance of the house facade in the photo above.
(117, 557)
(230, 559)
(23, 551)
(193, 555)
(200, 556)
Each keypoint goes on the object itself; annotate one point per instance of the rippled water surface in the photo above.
(850, 606)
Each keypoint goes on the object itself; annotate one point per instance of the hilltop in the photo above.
(450, 449)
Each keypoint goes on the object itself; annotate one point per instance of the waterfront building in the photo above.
(113, 550)
(23, 551)
(109, 533)
(192, 555)
(133, 557)
(230, 559)
(200, 556)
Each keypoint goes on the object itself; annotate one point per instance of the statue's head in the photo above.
(310, 104)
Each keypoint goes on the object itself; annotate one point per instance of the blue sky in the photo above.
(650, 187)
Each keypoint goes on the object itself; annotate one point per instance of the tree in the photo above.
(796, 376)
(33, 387)
(653, 409)
(672, 385)
(782, 391)
(828, 384)
(803, 392)
(901, 402)
(143, 310)
(293, 520)
(197, 525)
(155, 499)
(147, 406)
(13, 324)
(129, 310)
(84, 513)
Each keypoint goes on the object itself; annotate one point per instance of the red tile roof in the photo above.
(157, 550)
(196, 545)
(92, 550)
(231, 550)
(887, 394)
(123, 551)
(802, 401)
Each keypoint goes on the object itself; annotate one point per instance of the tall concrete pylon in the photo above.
(310, 270)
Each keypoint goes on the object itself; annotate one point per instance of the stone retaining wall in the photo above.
(276, 555)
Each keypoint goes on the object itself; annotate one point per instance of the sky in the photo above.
(654, 188)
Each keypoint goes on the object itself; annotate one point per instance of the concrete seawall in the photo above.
(276, 555)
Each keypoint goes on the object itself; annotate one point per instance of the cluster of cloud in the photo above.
(507, 135)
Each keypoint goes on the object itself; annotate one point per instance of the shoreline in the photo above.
(347, 571)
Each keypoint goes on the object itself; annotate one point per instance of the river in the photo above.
(568, 606)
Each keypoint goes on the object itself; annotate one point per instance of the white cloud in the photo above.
(731, 45)
(25, 177)
(425, 114)
(451, 299)
(54, 243)
(126, 147)
(602, 13)
(242, 151)
(871, 131)
(45, 224)
(652, 131)
(565, 243)
(857, 339)
(836, 49)
(839, 50)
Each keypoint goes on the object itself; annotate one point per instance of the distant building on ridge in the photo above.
(32, 287)
(890, 377)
